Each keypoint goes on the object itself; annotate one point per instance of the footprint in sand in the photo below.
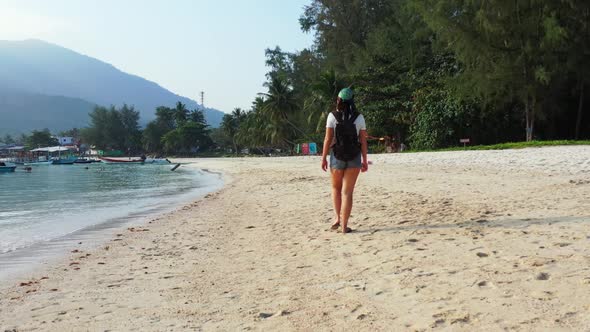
(438, 323)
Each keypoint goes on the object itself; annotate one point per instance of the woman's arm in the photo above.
(364, 150)
(326, 150)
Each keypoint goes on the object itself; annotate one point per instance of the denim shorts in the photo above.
(340, 164)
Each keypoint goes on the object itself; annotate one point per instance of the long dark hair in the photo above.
(347, 107)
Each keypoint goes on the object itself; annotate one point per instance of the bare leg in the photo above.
(337, 175)
(348, 183)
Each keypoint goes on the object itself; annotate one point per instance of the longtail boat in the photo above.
(123, 160)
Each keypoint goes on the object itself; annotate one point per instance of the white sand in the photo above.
(461, 240)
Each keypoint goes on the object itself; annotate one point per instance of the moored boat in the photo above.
(63, 161)
(60, 159)
(6, 167)
(41, 161)
(83, 161)
(122, 160)
(38, 163)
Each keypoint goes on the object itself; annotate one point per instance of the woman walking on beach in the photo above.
(346, 143)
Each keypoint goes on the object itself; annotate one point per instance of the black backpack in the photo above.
(347, 146)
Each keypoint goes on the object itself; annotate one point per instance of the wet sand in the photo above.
(456, 240)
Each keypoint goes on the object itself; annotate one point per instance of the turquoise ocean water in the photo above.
(55, 203)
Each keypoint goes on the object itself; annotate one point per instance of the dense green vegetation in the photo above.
(174, 131)
(177, 130)
(429, 72)
(112, 128)
(40, 138)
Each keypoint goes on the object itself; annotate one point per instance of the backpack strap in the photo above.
(337, 115)
(340, 116)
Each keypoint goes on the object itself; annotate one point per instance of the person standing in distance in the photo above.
(346, 143)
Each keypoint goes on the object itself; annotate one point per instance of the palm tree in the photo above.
(180, 114)
(279, 101)
(228, 127)
(279, 104)
(258, 104)
(230, 124)
(251, 130)
(249, 133)
(238, 115)
(321, 101)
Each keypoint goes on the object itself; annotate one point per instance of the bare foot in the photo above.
(345, 230)
(336, 224)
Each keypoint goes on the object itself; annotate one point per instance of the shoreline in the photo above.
(460, 241)
(29, 260)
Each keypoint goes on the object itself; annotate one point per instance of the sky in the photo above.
(186, 46)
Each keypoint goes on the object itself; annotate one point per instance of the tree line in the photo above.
(174, 131)
(429, 72)
(36, 139)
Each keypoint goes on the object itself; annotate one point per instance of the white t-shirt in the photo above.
(359, 123)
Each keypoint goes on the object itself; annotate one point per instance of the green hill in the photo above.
(21, 112)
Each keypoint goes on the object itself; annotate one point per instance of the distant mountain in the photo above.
(40, 68)
(22, 112)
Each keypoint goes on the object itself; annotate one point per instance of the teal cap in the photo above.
(345, 94)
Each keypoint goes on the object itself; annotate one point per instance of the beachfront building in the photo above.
(63, 141)
(10, 150)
